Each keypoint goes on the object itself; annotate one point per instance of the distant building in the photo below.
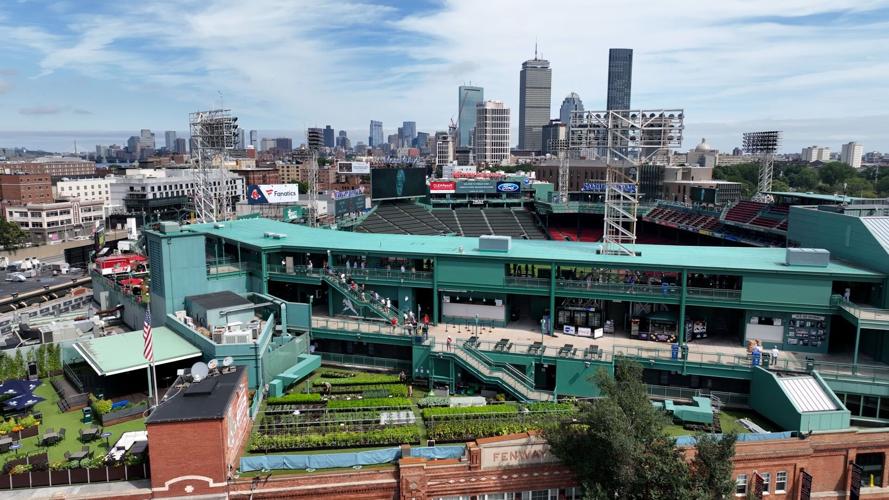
(170, 139)
(258, 175)
(54, 166)
(467, 99)
(491, 144)
(444, 149)
(95, 189)
(56, 221)
(284, 144)
(407, 134)
(620, 78)
(315, 138)
(851, 154)
(535, 94)
(555, 130)
(240, 139)
(464, 156)
(254, 139)
(422, 142)
(180, 147)
(342, 140)
(20, 189)
(329, 138)
(375, 135)
(812, 154)
(570, 104)
(702, 155)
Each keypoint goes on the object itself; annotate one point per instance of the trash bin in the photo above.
(684, 351)
(766, 360)
(87, 415)
(674, 351)
(810, 364)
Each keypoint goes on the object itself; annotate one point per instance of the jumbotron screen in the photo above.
(392, 183)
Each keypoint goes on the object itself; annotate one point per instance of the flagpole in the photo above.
(154, 378)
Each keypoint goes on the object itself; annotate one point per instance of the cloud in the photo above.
(5, 86)
(79, 111)
(41, 110)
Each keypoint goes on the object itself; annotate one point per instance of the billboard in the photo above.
(353, 167)
(599, 187)
(509, 187)
(477, 186)
(392, 183)
(351, 204)
(442, 187)
(703, 195)
(261, 194)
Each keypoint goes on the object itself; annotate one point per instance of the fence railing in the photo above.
(365, 361)
(226, 266)
(619, 287)
(356, 273)
(495, 366)
(849, 371)
(859, 311)
(357, 326)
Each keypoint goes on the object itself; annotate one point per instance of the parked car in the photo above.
(16, 277)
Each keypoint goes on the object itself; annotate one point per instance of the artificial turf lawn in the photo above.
(70, 421)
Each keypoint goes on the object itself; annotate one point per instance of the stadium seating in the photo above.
(739, 223)
(411, 218)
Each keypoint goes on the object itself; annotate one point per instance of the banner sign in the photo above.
(477, 186)
(261, 194)
(599, 187)
(353, 167)
(508, 187)
(339, 195)
(442, 187)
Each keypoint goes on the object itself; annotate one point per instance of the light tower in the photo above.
(764, 145)
(213, 134)
(630, 138)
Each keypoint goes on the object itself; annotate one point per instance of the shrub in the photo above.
(21, 469)
(369, 403)
(401, 434)
(359, 379)
(399, 390)
(6, 426)
(465, 430)
(456, 413)
(100, 406)
(333, 373)
(433, 401)
(28, 421)
(296, 398)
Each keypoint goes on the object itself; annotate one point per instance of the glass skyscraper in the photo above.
(620, 78)
(469, 97)
(375, 139)
(535, 94)
(570, 104)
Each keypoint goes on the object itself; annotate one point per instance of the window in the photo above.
(781, 481)
(741, 485)
(766, 479)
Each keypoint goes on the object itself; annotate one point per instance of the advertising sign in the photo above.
(476, 186)
(339, 195)
(442, 187)
(703, 195)
(393, 183)
(348, 205)
(518, 452)
(599, 187)
(261, 194)
(508, 187)
(353, 167)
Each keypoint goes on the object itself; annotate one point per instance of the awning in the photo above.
(122, 353)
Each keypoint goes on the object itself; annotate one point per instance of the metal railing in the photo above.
(365, 361)
(225, 266)
(506, 367)
(669, 392)
(358, 326)
(509, 375)
(355, 273)
(716, 293)
(710, 358)
(860, 312)
(840, 371)
(620, 287)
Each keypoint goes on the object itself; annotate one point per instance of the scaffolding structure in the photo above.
(561, 147)
(764, 145)
(213, 135)
(629, 139)
(313, 191)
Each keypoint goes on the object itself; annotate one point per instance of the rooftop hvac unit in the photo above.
(232, 338)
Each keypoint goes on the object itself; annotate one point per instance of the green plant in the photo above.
(130, 459)
(333, 373)
(456, 413)
(369, 403)
(500, 397)
(100, 406)
(359, 379)
(401, 434)
(6, 426)
(296, 398)
(21, 469)
(464, 430)
(399, 390)
(433, 401)
(551, 406)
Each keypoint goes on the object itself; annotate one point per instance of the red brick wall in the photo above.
(179, 449)
(20, 189)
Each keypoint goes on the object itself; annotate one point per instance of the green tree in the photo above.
(18, 365)
(857, 186)
(883, 186)
(11, 235)
(835, 173)
(711, 469)
(805, 180)
(303, 187)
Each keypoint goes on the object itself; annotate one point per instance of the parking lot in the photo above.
(45, 278)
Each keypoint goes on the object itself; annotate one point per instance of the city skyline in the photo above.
(733, 67)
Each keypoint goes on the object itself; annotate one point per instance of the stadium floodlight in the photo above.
(630, 139)
(763, 145)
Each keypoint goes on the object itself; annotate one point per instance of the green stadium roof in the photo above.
(123, 352)
(251, 232)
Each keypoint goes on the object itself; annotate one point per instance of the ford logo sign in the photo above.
(508, 187)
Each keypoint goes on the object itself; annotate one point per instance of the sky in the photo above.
(96, 72)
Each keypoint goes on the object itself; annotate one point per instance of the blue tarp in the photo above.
(351, 459)
(752, 436)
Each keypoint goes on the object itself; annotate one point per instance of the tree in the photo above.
(883, 186)
(835, 173)
(11, 235)
(634, 457)
(303, 187)
(711, 469)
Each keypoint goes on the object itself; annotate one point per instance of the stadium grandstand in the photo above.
(412, 218)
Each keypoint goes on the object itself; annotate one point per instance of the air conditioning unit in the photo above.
(232, 338)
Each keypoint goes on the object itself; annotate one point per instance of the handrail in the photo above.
(354, 272)
(386, 312)
(508, 368)
(860, 312)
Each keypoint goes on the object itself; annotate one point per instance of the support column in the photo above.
(435, 290)
(857, 341)
(264, 274)
(682, 296)
(552, 298)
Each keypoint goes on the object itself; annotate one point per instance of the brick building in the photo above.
(19, 189)
(196, 436)
(54, 166)
(258, 175)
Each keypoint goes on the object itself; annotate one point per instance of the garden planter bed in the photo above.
(78, 475)
(121, 416)
(25, 433)
(392, 435)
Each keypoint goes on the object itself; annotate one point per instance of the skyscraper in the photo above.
(468, 98)
(408, 134)
(620, 78)
(851, 153)
(569, 104)
(146, 139)
(240, 139)
(375, 138)
(254, 139)
(315, 138)
(342, 140)
(329, 139)
(491, 141)
(170, 139)
(535, 94)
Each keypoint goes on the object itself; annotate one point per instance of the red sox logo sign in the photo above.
(255, 194)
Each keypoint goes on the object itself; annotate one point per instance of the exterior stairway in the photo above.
(490, 371)
(377, 307)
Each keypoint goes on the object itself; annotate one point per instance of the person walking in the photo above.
(774, 356)
(847, 295)
(449, 341)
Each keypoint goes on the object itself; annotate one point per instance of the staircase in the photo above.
(490, 371)
(379, 309)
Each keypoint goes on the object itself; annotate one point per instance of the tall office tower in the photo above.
(444, 149)
(342, 140)
(254, 139)
(170, 139)
(315, 138)
(408, 134)
(146, 139)
(329, 137)
(620, 78)
(375, 138)
(468, 98)
(240, 139)
(268, 144)
(392, 140)
(851, 154)
(283, 144)
(535, 93)
(491, 143)
(181, 146)
(422, 141)
(569, 105)
(555, 130)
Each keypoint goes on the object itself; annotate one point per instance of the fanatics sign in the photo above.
(260, 194)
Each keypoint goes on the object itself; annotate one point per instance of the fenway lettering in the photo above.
(511, 453)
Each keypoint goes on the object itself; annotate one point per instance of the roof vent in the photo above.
(276, 236)
(491, 243)
(811, 257)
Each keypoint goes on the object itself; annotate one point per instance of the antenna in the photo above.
(535, 48)
(199, 371)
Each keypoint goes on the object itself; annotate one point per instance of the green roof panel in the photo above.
(123, 352)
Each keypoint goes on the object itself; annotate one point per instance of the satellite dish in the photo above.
(227, 361)
(212, 364)
(199, 371)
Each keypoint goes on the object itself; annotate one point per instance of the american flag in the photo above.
(148, 351)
